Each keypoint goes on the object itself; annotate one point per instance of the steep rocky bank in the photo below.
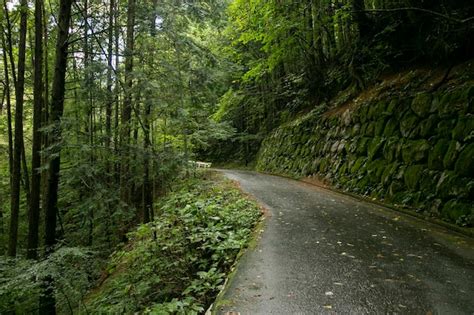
(404, 141)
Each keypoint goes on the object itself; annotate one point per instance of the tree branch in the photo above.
(438, 14)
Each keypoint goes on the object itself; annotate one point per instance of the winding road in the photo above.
(322, 252)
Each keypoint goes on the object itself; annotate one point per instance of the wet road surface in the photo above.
(324, 252)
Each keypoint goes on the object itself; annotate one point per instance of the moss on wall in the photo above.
(415, 150)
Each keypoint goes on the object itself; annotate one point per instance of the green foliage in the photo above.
(291, 55)
(21, 280)
(177, 264)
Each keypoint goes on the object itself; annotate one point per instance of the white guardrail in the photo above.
(198, 164)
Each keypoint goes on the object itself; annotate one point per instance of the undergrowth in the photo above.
(178, 263)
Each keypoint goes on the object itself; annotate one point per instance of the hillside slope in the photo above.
(406, 141)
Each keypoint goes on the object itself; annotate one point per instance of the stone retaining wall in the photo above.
(415, 150)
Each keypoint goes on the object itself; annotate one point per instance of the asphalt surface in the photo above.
(322, 252)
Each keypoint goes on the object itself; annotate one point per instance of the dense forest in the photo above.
(104, 103)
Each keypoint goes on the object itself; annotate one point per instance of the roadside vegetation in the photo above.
(175, 264)
(103, 104)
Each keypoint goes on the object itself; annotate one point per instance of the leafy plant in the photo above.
(178, 263)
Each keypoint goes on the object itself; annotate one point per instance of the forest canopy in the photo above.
(103, 104)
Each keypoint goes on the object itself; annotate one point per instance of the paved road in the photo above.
(323, 252)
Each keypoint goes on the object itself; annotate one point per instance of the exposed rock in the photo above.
(427, 127)
(421, 104)
(379, 127)
(408, 123)
(465, 163)
(428, 181)
(451, 155)
(388, 173)
(464, 129)
(415, 151)
(412, 176)
(436, 156)
(391, 128)
(391, 149)
(375, 148)
(452, 185)
(375, 170)
(445, 127)
(455, 209)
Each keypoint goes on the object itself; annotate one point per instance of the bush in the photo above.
(178, 263)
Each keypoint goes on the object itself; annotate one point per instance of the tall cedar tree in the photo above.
(47, 303)
(33, 217)
(18, 144)
(127, 104)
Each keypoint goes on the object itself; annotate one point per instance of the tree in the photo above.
(33, 216)
(18, 142)
(57, 108)
(127, 104)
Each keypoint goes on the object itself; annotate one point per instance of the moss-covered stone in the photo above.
(392, 106)
(374, 149)
(427, 127)
(436, 156)
(428, 181)
(470, 189)
(362, 145)
(380, 126)
(388, 173)
(470, 99)
(363, 186)
(455, 101)
(394, 188)
(455, 209)
(391, 149)
(334, 146)
(358, 165)
(375, 170)
(445, 127)
(464, 129)
(403, 108)
(452, 185)
(407, 198)
(343, 170)
(451, 155)
(341, 149)
(415, 151)
(465, 163)
(391, 128)
(412, 176)
(421, 104)
(370, 130)
(323, 165)
(355, 130)
(435, 103)
(408, 123)
(376, 109)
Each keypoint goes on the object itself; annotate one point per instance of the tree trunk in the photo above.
(18, 142)
(9, 119)
(33, 217)
(360, 19)
(147, 182)
(47, 303)
(9, 107)
(127, 105)
(45, 115)
(110, 98)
